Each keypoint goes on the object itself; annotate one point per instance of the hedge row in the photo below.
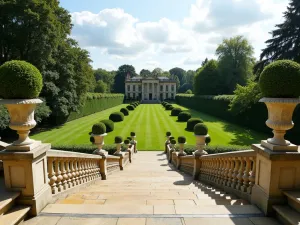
(214, 149)
(254, 117)
(97, 102)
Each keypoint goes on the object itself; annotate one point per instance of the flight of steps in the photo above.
(290, 213)
(11, 214)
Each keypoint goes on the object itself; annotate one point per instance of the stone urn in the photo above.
(99, 141)
(181, 143)
(119, 147)
(200, 144)
(167, 142)
(21, 112)
(280, 113)
(133, 141)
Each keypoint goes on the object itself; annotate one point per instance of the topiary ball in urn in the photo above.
(20, 85)
(20, 80)
(181, 140)
(99, 129)
(279, 83)
(132, 134)
(126, 142)
(118, 140)
(168, 134)
(200, 129)
(173, 142)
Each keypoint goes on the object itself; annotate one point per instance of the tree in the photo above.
(207, 80)
(285, 41)
(166, 74)
(31, 30)
(101, 87)
(189, 92)
(235, 62)
(180, 73)
(122, 73)
(106, 76)
(157, 72)
(183, 88)
(204, 62)
(145, 73)
(175, 78)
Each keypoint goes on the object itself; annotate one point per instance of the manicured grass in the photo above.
(150, 122)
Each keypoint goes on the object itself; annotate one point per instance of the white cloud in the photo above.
(119, 37)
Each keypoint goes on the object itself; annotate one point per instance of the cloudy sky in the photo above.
(167, 33)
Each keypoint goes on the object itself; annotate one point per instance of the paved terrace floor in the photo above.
(150, 192)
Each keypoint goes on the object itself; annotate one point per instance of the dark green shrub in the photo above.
(184, 116)
(168, 134)
(130, 107)
(92, 139)
(172, 138)
(214, 149)
(176, 111)
(173, 141)
(109, 124)
(132, 134)
(87, 148)
(207, 140)
(129, 138)
(20, 80)
(118, 140)
(200, 129)
(181, 140)
(169, 107)
(192, 122)
(124, 111)
(116, 117)
(99, 128)
(126, 142)
(280, 79)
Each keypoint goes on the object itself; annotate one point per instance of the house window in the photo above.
(161, 88)
(167, 88)
(133, 87)
(140, 88)
(172, 88)
(172, 96)
(133, 94)
(167, 95)
(128, 87)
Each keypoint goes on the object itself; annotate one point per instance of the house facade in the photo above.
(150, 88)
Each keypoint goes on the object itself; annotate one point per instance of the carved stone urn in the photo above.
(181, 143)
(21, 112)
(280, 113)
(99, 141)
(200, 144)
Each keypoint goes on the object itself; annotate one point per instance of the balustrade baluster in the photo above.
(252, 175)
(76, 171)
(80, 171)
(64, 174)
(246, 175)
(220, 171)
(240, 174)
(226, 170)
(69, 172)
(229, 175)
(235, 172)
(58, 174)
(72, 161)
(51, 176)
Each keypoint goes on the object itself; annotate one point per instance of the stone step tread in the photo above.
(6, 200)
(294, 195)
(14, 216)
(150, 209)
(288, 214)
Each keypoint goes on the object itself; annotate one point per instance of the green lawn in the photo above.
(150, 122)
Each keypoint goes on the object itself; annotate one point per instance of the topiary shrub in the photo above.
(176, 111)
(109, 124)
(99, 128)
(126, 142)
(92, 139)
(20, 80)
(184, 116)
(124, 111)
(173, 141)
(133, 105)
(129, 138)
(200, 129)
(192, 122)
(172, 138)
(116, 117)
(118, 140)
(280, 79)
(169, 107)
(181, 140)
(132, 134)
(207, 140)
(130, 107)
(168, 134)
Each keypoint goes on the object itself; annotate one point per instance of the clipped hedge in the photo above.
(116, 117)
(87, 149)
(96, 102)
(176, 111)
(169, 107)
(184, 116)
(214, 149)
(130, 107)
(110, 126)
(124, 111)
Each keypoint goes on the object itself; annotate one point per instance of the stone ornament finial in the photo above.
(99, 141)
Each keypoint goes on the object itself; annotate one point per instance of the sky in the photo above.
(168, 33)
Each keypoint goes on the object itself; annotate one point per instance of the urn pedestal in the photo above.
(181, 149)
(200, 144)
(99, 141)
(118, 152)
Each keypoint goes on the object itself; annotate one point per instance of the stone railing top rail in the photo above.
(246, 153)
(66, 154)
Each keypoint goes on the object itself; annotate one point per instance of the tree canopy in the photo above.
(101, 87)
(235, 62)
(121, 74)
(106, 76)
(180, 73)
(145, 73)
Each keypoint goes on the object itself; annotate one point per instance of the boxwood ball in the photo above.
(281, 79)
(20, 80)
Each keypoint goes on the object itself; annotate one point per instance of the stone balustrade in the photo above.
(233, 171)
(68, 169)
